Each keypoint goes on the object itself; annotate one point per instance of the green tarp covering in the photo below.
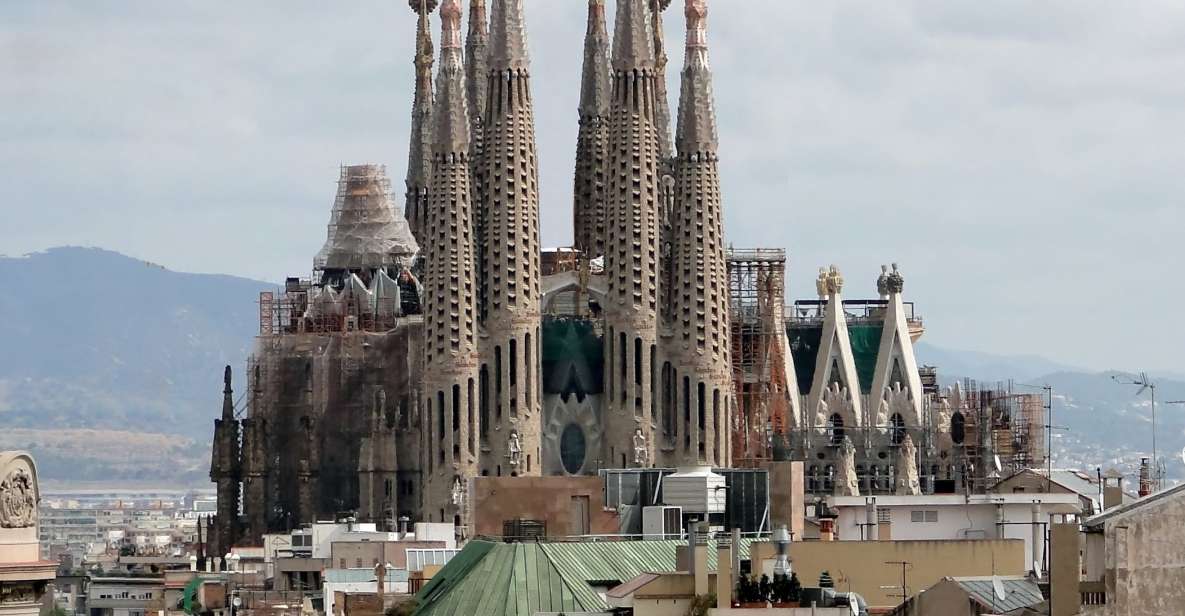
(804, 346)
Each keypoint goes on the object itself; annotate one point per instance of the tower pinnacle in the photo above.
(696, 132)
(633, 39)
(419, 160)
(508, 34)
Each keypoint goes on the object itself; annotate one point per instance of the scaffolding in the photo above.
(757, 283)
(1003, 433)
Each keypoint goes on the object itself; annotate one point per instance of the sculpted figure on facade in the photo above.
(821, 284)
(907, 469)
(641, 451)
(834, 281)
(846, 483)
(458, 493)
(514, 448)
(18, 500)
(896, 282)
(882, 282)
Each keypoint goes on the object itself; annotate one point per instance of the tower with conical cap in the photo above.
(699, 311)
(592, 139)
(419, 159)
(632, 242)
(225, 469)
(449, 298)
(510, 252)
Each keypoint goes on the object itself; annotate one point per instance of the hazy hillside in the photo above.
(95, 339)
(111, 370)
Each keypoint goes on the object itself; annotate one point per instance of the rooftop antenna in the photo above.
(1145, 384)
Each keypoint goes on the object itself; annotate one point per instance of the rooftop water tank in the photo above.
(696, 489)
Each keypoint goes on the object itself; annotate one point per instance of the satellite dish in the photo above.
(1037, 569)
(998, 588)
(1183, 454)
(996, 461)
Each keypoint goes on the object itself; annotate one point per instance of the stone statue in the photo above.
(846, 483)
(834, 281)
(896, 282)
(882, 282)
(641, 451)
(907, 469)
(18, 500)
(458, 493)
(821, 284)
(515, 447)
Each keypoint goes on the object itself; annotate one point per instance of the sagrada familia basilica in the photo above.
(443, 343)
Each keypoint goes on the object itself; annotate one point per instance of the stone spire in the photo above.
(477, 65)
(510, 253)
(699, 294)
(450, 278)
(508, 34)
(632, 238)
(225, 469)
(595, 91)
(662, 110)
(419, 159)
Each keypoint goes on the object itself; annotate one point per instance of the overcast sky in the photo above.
(1021, 160)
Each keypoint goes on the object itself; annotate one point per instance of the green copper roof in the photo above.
(520, 579)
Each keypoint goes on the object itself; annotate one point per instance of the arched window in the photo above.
(958, 428)
(812, 479)
(829, 478)
(897, 428)
(835, 427)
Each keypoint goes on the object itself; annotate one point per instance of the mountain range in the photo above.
(112, 372)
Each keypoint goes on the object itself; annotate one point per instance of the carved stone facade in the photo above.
(23, 575)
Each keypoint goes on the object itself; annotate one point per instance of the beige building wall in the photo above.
(1145, 575)
(862, 566)
(568, 505)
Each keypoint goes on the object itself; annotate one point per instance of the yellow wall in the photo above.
(860, 566)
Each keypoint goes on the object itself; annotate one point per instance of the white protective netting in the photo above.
(366, 231)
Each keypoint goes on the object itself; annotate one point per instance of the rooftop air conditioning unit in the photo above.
(661, 522)
(696, 490)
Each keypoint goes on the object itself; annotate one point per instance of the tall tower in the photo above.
(419, 158)
(699, 292)
(632, 243)
(225, 469)
(592, 139)
(510, 253)
(450, 280)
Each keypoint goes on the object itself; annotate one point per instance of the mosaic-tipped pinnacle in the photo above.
(423, 5)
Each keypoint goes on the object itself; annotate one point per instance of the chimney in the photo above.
(380, 579)
(870, 522)
(699, 557)
(1112, 489)
(1038, 539)
(1145, 478)
(723, 575)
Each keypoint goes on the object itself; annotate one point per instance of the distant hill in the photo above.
(97, 340)
(112, 370)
